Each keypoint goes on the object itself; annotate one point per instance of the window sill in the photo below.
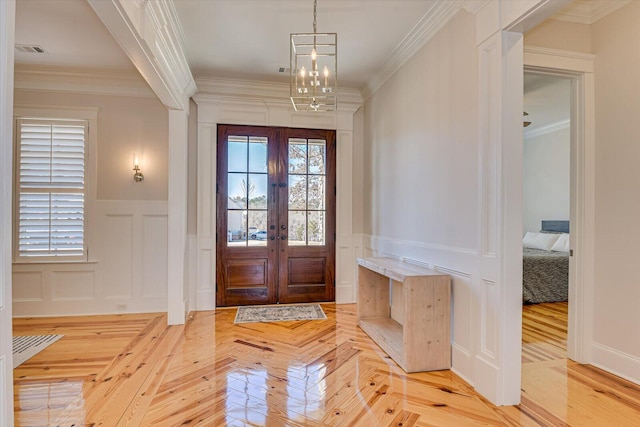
(55, 262)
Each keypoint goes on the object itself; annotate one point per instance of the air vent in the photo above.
(29, 48)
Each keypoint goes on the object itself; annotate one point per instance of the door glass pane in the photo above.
(316, 226)
(307, 191)
(257, 228)
(297, 228)
(257, 154)
(297, 155)
(317, 158)
(316, 192)
(247, 188)
(237, 191)
(237, 228)
(297, 192)
(257, 191)
(237, 158)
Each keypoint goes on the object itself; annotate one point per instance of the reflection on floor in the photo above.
(133, 370)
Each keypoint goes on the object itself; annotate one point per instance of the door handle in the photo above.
(284, 227)
(272, 238)
(283, 237)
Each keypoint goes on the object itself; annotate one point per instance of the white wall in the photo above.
(562, 35)
(616, 43)
(126, 221)
(421, 168)
(7, 23)
(546, 186)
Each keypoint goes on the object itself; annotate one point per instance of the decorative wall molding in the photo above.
(540, 57)
(544, 130)
(432, 21)
(81, 80)
(149, 33)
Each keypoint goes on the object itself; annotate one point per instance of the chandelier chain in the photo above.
(315, 15)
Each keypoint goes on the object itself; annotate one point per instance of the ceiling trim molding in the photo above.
(81, 80)
(589, 12)
(149, 33)
(553, 127)
(269, 92)
(432, 21)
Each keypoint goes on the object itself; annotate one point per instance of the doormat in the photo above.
(279, 313)
(25, 347)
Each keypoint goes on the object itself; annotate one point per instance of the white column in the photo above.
(178, 291)
(7, 25)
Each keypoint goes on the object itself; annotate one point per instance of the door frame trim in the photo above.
(579, 67)
(211, 110)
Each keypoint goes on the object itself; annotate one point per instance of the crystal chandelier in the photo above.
(313, 75)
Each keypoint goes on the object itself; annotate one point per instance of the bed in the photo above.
(545, 272)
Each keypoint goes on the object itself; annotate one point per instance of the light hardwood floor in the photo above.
(132, 370)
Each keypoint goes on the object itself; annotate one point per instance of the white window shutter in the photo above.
(51, 188)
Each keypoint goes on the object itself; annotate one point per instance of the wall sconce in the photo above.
(137, 176)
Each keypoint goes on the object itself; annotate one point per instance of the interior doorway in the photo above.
(547, 210)
(276, 191)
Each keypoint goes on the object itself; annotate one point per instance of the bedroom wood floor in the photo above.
(132, 370)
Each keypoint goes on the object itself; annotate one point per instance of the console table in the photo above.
(419, 338)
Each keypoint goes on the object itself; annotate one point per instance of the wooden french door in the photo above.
(276, 192)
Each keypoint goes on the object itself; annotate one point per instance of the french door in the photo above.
(275, 215)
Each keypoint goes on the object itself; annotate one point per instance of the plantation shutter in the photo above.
(51, 188)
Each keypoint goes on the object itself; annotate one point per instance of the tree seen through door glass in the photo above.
(247, 191)
(307, 191)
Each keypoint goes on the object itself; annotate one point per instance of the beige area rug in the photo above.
(279, 313)
(25, 347)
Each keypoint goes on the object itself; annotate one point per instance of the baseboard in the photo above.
(462, 363)
(616, 362)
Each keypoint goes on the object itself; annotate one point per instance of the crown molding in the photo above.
(432, 21)
(589, 12)
(553, 127)
(102, 81)
(268, 92)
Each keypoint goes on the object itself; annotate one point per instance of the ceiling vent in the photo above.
(29, 48)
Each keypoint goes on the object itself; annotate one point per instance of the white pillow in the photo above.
(562, 244)
(542, 241)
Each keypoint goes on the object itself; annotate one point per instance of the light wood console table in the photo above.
(420, 339)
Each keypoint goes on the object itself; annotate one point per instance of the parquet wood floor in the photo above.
(133, 370)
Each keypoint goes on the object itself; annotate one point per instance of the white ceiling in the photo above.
(70, 33)
(249, 39)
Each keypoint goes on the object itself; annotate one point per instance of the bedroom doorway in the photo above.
(547, 159)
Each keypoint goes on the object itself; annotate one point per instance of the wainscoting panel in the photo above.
(488, 321)
(28, 286)
(154, 254)
(116, 256)
(69, 285)
(126, 271)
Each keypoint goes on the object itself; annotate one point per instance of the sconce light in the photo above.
(137, 176)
